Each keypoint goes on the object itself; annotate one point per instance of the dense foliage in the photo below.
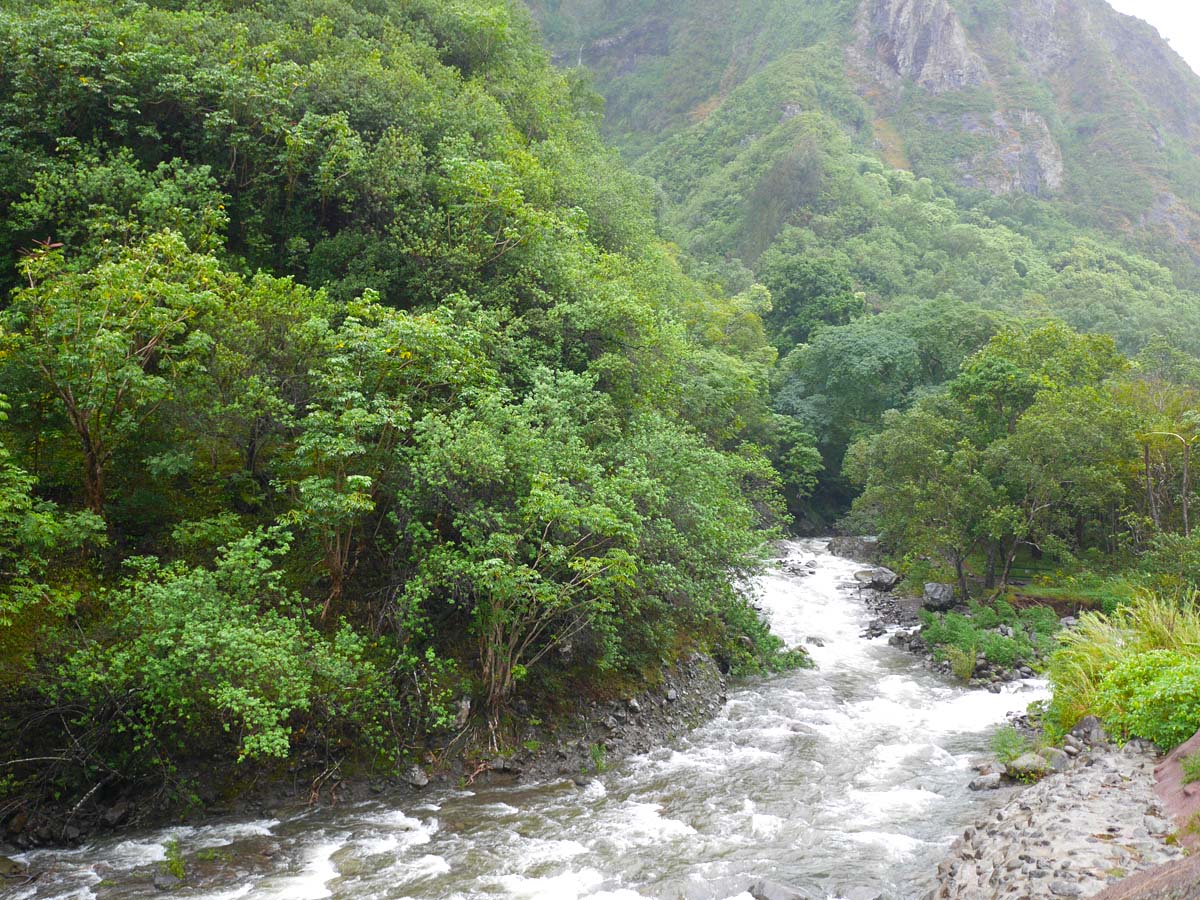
(346, 377)
(782, 160)
(1138, 668)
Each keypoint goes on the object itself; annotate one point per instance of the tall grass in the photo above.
(1101, 643)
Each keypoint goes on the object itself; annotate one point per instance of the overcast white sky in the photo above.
(1176, 20)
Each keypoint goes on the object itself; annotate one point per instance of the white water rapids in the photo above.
(848, 778)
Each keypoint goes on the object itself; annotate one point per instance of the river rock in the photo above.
(1068, 835)
(878, 579)
(863, 549)
(165, 881)
(938, 597)
(1156, 826)
(988, 782)
(1028, 765)
(1059, 760)
(116, 814)
(10, 868)
(16, 824)
(463, 716)
(416, 777)
(1090, 731)
(1065, 889)
(875, 629)
(861, 893)
(765, 889)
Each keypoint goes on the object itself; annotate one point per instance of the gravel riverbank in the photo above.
(1073, 834)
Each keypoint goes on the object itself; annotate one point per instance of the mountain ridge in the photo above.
(1059, 100)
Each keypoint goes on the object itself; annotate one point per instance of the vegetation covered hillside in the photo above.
(976, 222)
(861, 158)
(344, 377)
(1067, 101)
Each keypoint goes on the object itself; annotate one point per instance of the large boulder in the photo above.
(863, 549)
(10, 868)
(1028, 767)
(988, 782)
(1090, 730)
(878, 578)
(415, 776)
(166, 881)
(939, 597)
(1056, 759)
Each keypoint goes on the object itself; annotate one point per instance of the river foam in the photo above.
(850, 776)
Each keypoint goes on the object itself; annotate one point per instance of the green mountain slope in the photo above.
(947, 167)
(1067, 101)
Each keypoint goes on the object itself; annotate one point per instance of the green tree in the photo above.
(925, 485)
(382, 371)
(805, 294)
(112, 344)
(522, 528)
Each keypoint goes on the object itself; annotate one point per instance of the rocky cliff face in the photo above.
(1024, 157)
(922, 44)
(921, 41)
(1065, 100)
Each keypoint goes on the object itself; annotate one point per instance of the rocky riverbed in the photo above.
(1072, 834)
(602, 734)
(896, 613)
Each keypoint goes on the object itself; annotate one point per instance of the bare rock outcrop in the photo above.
(918, 40)
(1023, 156)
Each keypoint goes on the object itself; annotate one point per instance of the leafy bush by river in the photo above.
(1137, 668)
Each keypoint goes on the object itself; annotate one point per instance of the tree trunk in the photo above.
(1010, 557)
(1151, 504)
(961, 572)
(1187, 486)
(93, 481)
(990, 578)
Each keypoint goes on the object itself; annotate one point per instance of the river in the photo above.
(846, 781)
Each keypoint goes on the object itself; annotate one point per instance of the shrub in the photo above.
(1191, 768)
(1100, 643)
(952, 629)
(1153, 695)
(227, 646)
(1031, 629)
(599, 755)
(1039, 620)
(173, 862)
(1009, 744)
(1001, 650)
(962, 661)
